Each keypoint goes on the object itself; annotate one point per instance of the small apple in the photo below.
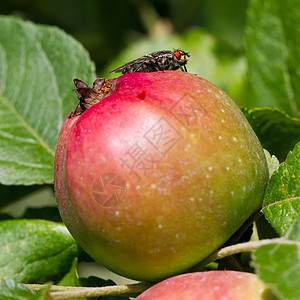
(212, 285)
(158, 174)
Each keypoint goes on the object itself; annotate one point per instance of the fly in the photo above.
(157, 61)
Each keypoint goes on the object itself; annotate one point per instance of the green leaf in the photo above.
(294, 232)
(33, 249)
(209, 59)
(272, 161)
(282, 196)
(278, 264)
(37, 65)
(277, 131)
(71, 278)
(11, 290)
(273, 47)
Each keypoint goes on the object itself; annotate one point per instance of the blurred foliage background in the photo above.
(115, 32)
(107, 27)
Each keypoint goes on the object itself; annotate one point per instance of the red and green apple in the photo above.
(158, 174)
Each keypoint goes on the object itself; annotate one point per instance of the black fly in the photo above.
(156, 61)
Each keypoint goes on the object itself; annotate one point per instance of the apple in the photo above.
(212, 285)
(158, 174)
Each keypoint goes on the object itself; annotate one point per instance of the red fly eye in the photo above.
(177, 54)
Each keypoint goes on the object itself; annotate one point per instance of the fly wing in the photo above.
(131, 64)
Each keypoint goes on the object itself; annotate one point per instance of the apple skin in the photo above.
(209, 175)
(212, 285)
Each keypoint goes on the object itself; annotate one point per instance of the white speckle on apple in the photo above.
(216, 287)
(222, 121)
(162, 191)
(159, 226)
(210, 168)
(119, 228)
(240, 161)
(207, 176)
(222, 110)
(192, 199)
(234, 139)
(81, 178)
(177, 235)
(219, 137)
(117, 213)
(138, 187)
(153, 186)
(232, 193)
(227, 168)
(211, 192)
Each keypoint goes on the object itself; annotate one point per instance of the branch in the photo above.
(238, 248)
(71, 292)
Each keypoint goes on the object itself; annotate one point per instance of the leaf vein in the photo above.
(27, 164)
(27, 126)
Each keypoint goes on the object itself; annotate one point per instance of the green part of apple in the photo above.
(158, 175)
(213, 285)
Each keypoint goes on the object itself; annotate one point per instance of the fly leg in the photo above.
(156, 66)
(183, 69)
